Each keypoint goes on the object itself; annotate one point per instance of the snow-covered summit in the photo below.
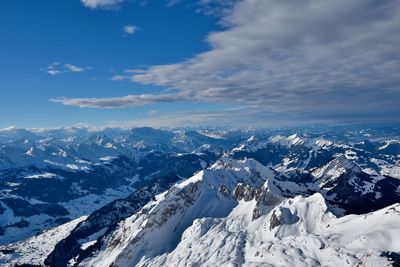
(335, 168)
(294, 232)
(291, 140)
(209, 193)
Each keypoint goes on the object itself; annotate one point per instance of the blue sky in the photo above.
(185, 63)
(36, 34)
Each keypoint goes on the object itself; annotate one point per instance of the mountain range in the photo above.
(200, 197)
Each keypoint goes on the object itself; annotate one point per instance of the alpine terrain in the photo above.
(201, 197)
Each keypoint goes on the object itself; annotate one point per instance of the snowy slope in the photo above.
(334, 169)
(236, 212)
(207, 194)
(298, 232)
(232, 215)
(35, 249)
(50, 177)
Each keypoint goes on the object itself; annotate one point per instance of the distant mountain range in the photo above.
(152, 197)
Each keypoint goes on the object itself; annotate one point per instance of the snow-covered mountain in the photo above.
(152, 197)
(49, 177)
(233, 214)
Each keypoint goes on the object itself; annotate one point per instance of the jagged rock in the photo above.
(264, 199)
(244, 192)
(224, 190)
(274, 221)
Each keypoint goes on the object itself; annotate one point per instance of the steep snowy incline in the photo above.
(158, 227)
(335, 169)
(87, 237)
(297, 232)
(231, 214)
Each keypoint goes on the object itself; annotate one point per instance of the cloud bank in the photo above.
(307, 57)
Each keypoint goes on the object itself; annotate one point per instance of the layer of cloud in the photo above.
(130, 29)
(58, 68)
(103, 4)
(306, 57)
(246, 117)
(116, 102)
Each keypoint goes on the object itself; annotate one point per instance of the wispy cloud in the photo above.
(116, 102)
(311, 57)
(130, 29)
(58, 68)
(53, 72)
(118, 78)
(53, 69)
(215, 7)
(103, 4)
(73, 68)
(208, 7)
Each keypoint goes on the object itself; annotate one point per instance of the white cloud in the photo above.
(317, 58)
(118, 78)
(57, 68)
(52, 69)
(130, 29)
(116, 102)
(73, 68)
(103, 4)
(53, 72)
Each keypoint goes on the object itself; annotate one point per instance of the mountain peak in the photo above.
(335, 168)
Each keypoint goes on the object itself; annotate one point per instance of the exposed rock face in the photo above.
(224, 190)
(263, 197)
(282, 215)
(244, 192)
(265, 200)
(274, 221)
